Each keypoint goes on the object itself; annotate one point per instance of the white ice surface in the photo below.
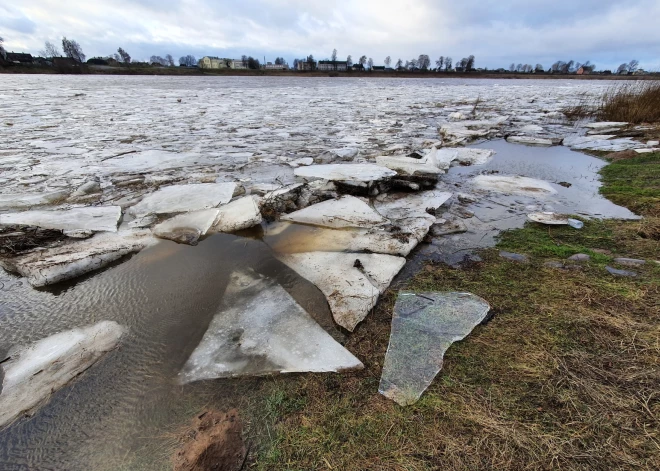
(346, 211)
(514, 184)
(409, 166)
(346, 172)
(242, 213)
(34, 372)
(260, 329)
(187, 228)
(184, 198)
(530, 140)
(351, 291)
(92, 218)
(48, 266)
(27, 200)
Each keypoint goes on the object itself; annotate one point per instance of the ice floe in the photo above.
(63, 262)
(32, 373)
(530, 140)
(346, 172)
(548, 218)
(260, 329)
(183, 198)
(91, 218)
(346, 211)
(187, 228)
(240, 214)
(409, 166)
(10, 201)
(514, 185)
(424, 326)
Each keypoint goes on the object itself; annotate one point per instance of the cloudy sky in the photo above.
(497, 32)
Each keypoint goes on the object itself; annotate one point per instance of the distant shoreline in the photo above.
(195, 72)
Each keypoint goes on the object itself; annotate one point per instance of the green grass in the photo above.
(634, 183)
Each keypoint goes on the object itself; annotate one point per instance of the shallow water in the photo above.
(122, 413)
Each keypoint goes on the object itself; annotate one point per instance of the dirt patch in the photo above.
(214, 442)
(15, 240)
(623, 155)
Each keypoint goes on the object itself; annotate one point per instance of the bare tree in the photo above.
(423, 62)
(311, 62)
(512, 67)
(295, 64)
(388, 61)
(50, 50)
(170, 60)
(2, 47)
(448, 63)
(414, 64)
(349, 61)
(469, 65)
(158, 60)
(72, 50)
(539, 68)
(399, 64)
(125, 56)
(633, 65)
(440, 62)
(188, 61)
(370, 63)
(334, 55)
(363, 60)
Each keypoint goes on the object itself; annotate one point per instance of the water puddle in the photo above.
(120, 413)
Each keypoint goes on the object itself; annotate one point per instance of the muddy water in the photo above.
(122, 413)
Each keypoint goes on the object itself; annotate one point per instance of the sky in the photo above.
(496, 32)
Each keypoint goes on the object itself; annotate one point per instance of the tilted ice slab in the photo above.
(92, 218)
(549, 218)
(412, 205)
(238, 215)
(33, 372)
(409, 166)
(514, 184)
(424, 326)
(346, 172)
(52, 265)
(184, 198)
(469, 156)
(352, 288)
(187, 228)
(608, 145)
(27, 200)
(260, 329)
(530, 140)
(607, 124)
(346, 211)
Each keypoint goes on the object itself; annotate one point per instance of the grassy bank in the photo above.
(565, 375)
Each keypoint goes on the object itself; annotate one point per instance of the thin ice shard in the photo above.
(260, 330)
(424, 326)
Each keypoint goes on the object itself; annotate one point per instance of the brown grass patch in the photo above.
(637, 102)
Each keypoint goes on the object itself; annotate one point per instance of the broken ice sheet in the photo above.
(350, 282)
(187, 228)
(183, 198)
(33, 372)
(92, 218)
(424, 326)
(347, 211)
(346, 172)
(260, 329)
(514, 184)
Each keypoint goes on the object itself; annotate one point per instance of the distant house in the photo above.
(19, 58)
(340, 66)
(305, 65)
(583, 71)
(378, 68)
(237, 64)
(271, 66)
(210, 62)
(359, 67)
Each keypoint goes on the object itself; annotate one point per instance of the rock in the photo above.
(187, 228)
(260, 329)
(64, 262)
(346, 172)
(631, 262)
(240, 214)
(514, 257)
(514, 184)
(87, 188)
(347, 211)
(92, 218)
(10, 201)
(602, 251)
(424, 326)
(351, 289)
(552, 264)
(616, 272)
(466, 199)
(33, 372)
(579, 257)
(530, 141)
(184, 198)
(549, 218)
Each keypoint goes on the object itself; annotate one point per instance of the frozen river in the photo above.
(130, 135)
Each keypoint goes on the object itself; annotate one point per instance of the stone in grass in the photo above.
(514, 257)
(551, 264)
(579, 257)
(616, 272)
(631, 262)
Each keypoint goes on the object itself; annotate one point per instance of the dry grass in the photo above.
(637, 102)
